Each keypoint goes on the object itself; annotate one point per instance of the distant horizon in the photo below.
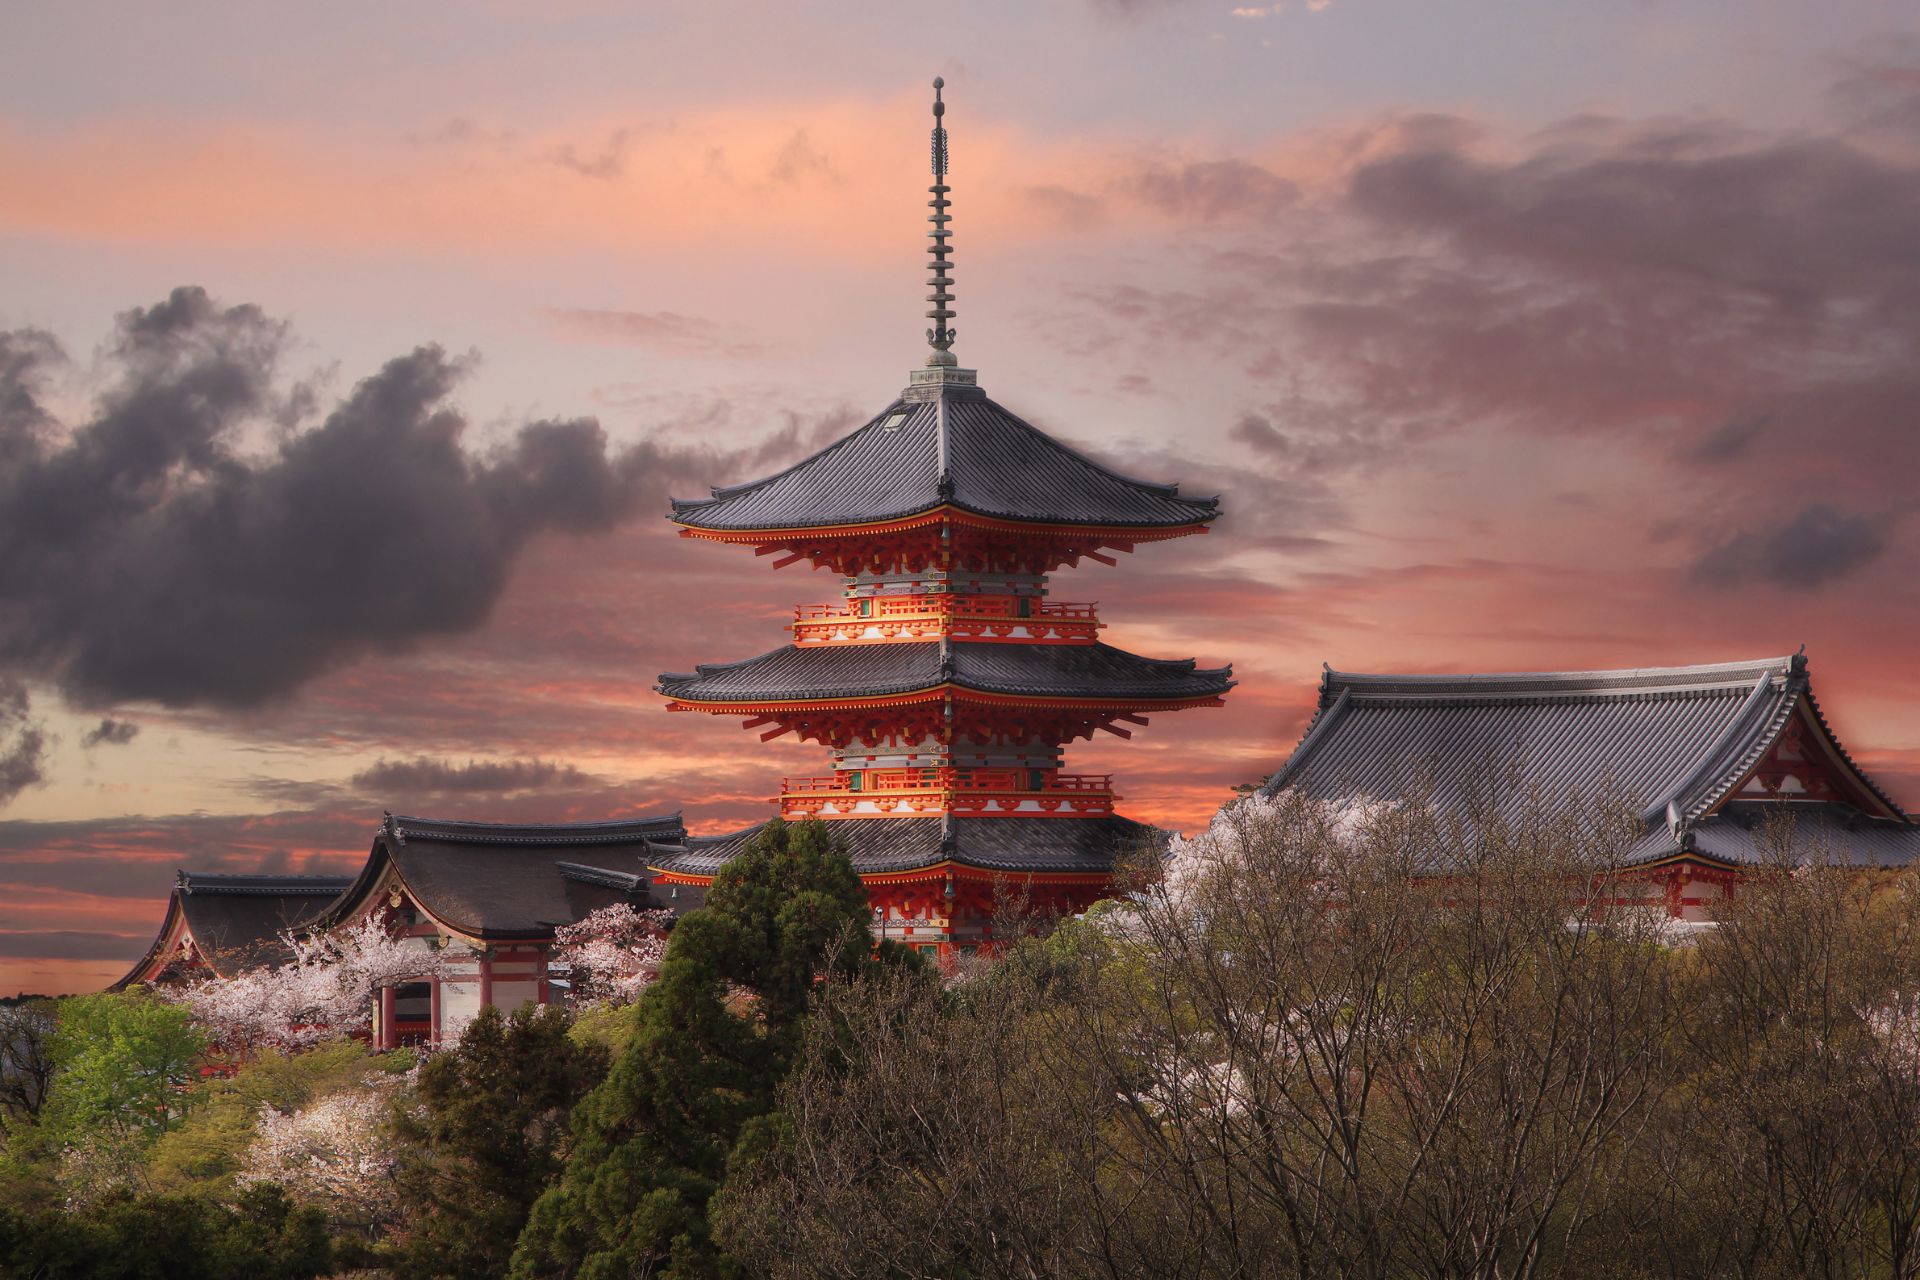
(349, 362)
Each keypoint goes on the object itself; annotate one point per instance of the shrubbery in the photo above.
(1325, 1043)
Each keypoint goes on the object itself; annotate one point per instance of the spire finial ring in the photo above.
(940, 336)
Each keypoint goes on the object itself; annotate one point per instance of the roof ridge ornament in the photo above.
(941, 336)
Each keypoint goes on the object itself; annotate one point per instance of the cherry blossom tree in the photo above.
(324, 991)
(611, 955)
(335, 1155)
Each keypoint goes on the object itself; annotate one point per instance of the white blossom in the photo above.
(326, 990)
(611, 955)
(335, 1154)
(1895, 1025)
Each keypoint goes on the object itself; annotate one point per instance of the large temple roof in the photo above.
(825, 672)
(235, 921)
(879, 845)
(958, 449)
(490, 880)
(1680, 744)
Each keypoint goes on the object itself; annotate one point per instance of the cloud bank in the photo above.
(147, 555)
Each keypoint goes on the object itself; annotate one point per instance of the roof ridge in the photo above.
(1679, 802)
(1538, 687)
(454, 830)
(1733, 672)
(249, 884)
(603, 876)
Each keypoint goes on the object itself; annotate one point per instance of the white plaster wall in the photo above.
(459, 1005)
(510, 994)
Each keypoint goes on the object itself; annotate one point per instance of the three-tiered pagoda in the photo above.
(946, 680)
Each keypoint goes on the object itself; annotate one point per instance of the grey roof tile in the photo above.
(994, 463)
(516, 880)
(1739, 833)
(997, 844)
(875, 670)
(236, 920)
(1672, 741)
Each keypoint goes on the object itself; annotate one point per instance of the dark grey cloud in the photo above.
(110, 733)
(1213, 190)
(1198, 192)
(1729, 441)
(27, 358)
(1137, 8)
(68, 944)
(145, 555)
(1736, 312)
(1879, 89)
(419, 776)
(1789, 226)
(608, 160)
(23, 742)
(799, 160)
(1816, 546)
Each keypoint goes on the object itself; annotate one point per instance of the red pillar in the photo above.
(433, 1006)
(486, 977)
(389, 1033)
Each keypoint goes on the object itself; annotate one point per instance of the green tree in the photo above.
(713, 1039)
(485, 1134)
(261, 1236)
(124, 1070)
(122, 1061)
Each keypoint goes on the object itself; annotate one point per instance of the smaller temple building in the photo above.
(1707, 755)
(487, 897)
(219, 925)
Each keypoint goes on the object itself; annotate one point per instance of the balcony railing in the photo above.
(907, 793)
(885, 782)
(921, 616)
(876, 608)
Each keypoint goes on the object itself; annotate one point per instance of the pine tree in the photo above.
(485, 1134)
(713, 1039)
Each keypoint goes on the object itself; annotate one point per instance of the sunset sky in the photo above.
(349, 352)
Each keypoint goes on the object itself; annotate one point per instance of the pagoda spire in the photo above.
(941, 336)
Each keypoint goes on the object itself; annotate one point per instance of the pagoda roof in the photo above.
(1677, 743)
(1016, 845)
(826, 672)
(511, 880)
(235, 921)
(954, 448)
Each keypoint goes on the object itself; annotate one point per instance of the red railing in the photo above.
(886, 608)
(907, 781)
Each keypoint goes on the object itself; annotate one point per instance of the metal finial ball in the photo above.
(938, 83)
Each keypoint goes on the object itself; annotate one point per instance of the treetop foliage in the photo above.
(712, 1039)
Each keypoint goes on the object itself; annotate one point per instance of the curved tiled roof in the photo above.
(1738, 833)
(1672, 741)
(795, 672)
(236, 920)
(878, 845)
(517, 880)
(957, 448)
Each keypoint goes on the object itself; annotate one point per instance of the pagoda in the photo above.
(946, 680)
